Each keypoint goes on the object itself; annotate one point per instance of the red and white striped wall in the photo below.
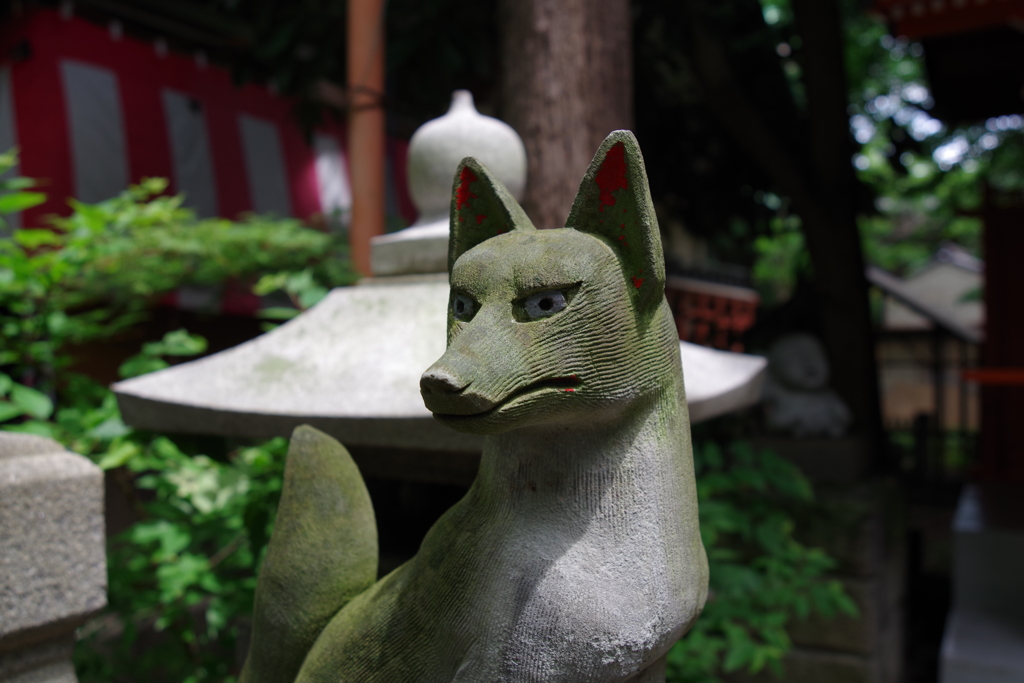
(92, 111)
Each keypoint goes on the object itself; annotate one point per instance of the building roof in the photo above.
(938, 295)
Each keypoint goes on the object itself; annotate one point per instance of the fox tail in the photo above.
(322, 553)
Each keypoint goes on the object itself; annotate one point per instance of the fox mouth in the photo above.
(566, 384)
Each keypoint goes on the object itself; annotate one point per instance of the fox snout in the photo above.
(447, 393)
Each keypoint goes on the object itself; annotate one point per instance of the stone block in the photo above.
(982, 648)
(984, 638)
(53, 573)
(47, 662)
(988, 556)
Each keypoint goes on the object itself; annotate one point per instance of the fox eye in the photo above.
(463, 307)
(544, 304)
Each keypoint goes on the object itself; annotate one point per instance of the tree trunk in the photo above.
(833, 239)
(567, 81)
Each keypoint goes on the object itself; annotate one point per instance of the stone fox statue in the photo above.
(576, 554)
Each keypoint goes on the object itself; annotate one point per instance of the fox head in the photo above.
(553, 326)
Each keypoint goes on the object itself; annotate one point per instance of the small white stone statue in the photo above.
(796, 394)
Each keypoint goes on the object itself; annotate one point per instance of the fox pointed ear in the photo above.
(614, 202)
(481, 208)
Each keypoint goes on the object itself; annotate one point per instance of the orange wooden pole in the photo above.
(366, 146)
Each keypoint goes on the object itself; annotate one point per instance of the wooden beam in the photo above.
(366, 132)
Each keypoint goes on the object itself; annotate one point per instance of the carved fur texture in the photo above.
(576, 554)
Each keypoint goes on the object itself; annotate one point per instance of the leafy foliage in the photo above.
(100, 269)
(17, 400)
(15, 192)
(176, 343)
(926, 178)
(186, 571)
(761, 576)
(140, 244)
(182, 577)
(302, 289)
(920, 198)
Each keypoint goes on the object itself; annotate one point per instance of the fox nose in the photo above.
(447, 393)
(437, 381)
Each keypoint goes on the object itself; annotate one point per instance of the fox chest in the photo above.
(589, 611)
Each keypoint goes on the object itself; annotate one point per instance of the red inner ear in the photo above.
(612, 175)
(463, 193)
(616, 179)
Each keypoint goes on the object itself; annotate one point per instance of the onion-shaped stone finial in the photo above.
(435, 151)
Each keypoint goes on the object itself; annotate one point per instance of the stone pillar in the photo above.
(53, 572)
(984, 638)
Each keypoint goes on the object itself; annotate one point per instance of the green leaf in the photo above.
(141, 364)
(18, 183)
(152, 186)
(270, 283)
(741, 650)
(111, 428)
(9, 411)
(207, 485)
(19, 201)
(5, 384)
(59, 324)
(118, 456)
(311, 296)
(8, 159)
(33, 239)
(33, 402)
(175, 578)
(176, 343)
(278, 313)
(170, 538)
(37, 427)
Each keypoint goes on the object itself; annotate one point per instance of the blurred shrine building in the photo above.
(974, 55)
(932, 327)
(92, 107)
